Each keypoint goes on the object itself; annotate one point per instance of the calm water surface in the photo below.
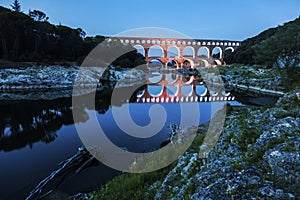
(35, 136)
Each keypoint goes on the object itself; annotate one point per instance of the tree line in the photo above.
(31, 37)
(275, 47)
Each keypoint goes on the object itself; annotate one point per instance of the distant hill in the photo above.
(269, 45)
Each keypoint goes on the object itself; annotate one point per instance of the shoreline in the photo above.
(61, 79)
(250, 160)
(6, 64)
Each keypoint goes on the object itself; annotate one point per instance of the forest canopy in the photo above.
(31, 37)
(278, 47)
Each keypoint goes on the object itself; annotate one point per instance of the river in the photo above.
(35, 136)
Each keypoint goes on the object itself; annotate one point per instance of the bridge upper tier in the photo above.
(178, 42)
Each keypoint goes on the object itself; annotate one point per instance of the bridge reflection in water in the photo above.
(172, 88)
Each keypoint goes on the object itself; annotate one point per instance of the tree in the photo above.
(81, 33)
(21, 24)
(281, 49)
(228, 56)
(16, 6)
(5, 29)
(38, 16)
(245, 53)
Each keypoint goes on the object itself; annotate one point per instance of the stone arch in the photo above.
(228, 55)
(188, 51)
(171, 78)
(156, 51)
(213, 91)
(203, 63)
(229, 48)
(155, 90)
(216, 52)
(187, 90)
(155, 63)
(203, 52)
(173, 51)
(140, 49)
(201, 90)
(172, 64)
(172, 90)
(187, 63)
(156, 78)
(140, 93)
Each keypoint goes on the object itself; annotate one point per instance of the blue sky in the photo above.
(210, 19)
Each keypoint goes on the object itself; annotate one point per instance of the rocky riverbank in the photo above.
(256, 157)
(252, 80)
(249, 80)
(53, 82)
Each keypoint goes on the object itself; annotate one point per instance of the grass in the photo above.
(135, 186)
(130, 186)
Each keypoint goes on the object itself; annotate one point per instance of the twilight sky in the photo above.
(210, 19)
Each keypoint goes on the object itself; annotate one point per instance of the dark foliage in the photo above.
(32, 38)
(275, 44)
(16, 6)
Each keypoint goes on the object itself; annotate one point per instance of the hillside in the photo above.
(268, 46)
(31, 38)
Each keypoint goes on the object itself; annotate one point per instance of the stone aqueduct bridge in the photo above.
(172, 88)
(192, 50)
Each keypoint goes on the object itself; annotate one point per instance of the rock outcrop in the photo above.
(259, 82)
(256, 157)
(53, 82)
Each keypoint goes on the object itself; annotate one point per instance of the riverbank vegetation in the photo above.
(276, 47)
(143, 185)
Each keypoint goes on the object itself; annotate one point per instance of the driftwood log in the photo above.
(80, 161)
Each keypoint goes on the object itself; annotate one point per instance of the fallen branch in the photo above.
(81, 160)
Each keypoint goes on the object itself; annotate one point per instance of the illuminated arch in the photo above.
(203, 52)
(225, 94)
(203, 63)
(188, 64)
(188, 52)
(173, 52)
(213, 93)
(172, 64)
(156, 78)
(187, 90)
(171, 78)
(172, 90)
(201, 90)
(140, 49)
(140, 93)
(230, 48)
(155, 90)
(156, 51)
(216, 51)
(155, 63)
